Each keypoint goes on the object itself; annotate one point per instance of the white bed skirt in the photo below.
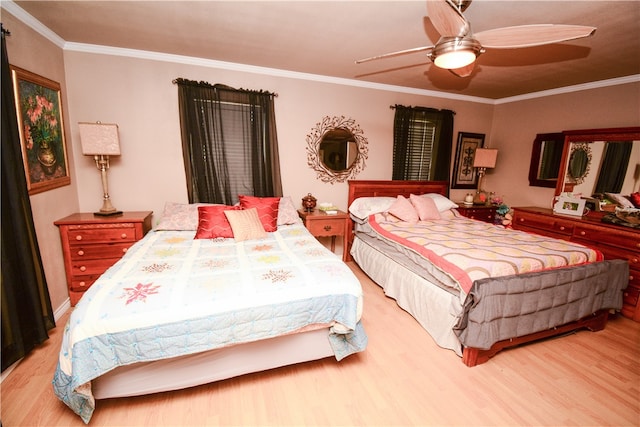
(434, 308)
(215, 365)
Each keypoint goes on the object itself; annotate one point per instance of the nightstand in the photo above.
(322, 225)
(479, 212)
(91, 244)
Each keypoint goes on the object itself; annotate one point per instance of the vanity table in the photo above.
(614, 241)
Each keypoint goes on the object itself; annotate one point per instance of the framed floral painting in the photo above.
(464, 174)
(41, 127)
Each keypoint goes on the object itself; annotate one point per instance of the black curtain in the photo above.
(614, 167)
(26, 309)
(229, 142)
(410, 124)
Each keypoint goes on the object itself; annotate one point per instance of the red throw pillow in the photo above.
(635, 199)
(212, 222)
(267, 209)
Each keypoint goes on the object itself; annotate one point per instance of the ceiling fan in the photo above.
(458, 47)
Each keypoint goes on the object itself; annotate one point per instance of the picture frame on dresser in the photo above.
(464, 174)
(569, 206)
(41, 127)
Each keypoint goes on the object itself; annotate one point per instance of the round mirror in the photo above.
(579, 162)
(336, 149)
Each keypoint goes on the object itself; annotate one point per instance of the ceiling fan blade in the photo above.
(531, 35)
(447, 19)
(397, 53)
(464, 71)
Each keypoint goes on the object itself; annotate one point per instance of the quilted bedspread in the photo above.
(468, 250)
(171, 295)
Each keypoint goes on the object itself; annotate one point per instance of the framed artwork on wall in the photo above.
(41, 127)
(464, 174)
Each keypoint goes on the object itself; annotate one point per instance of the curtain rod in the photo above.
(220, 86)
(393, 107)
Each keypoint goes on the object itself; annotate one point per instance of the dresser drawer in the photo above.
(82, 283)
(327, 227)
(630, 299)
(122, 233)
(610, 235)
(91, 266)
(551, 225)
(111, 250)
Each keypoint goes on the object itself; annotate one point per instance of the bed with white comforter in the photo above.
(172, 295)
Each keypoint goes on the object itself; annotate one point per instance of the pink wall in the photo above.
(139, 96)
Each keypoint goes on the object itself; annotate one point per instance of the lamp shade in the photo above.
(485, 158)
(99, 139)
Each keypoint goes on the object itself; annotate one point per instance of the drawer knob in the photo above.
(78, 237)
(631, 278)
(83, 268)
(562, 228)
(327, 228)
(582, 233)
(80, 252)
(123, 235)
(124, 250)
(83, 284)
(633, 260)
(521, 219)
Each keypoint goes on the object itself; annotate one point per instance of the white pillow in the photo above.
(287, 213)
(362, 207)
(442, 203)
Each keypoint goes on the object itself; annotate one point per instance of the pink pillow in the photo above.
(213, 223)
(425, 206)
(403, 209)
(267, 209)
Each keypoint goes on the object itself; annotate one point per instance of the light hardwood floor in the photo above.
(402, 379)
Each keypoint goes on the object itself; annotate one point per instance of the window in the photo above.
(422, 143)
(229, 142)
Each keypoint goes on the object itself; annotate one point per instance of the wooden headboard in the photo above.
(395, 188)
(390, 189)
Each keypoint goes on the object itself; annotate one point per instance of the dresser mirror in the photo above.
(600, 160)
(336, 149)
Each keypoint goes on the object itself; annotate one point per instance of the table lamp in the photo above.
(100, 140)
(485, 158)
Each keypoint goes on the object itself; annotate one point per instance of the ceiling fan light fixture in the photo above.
(455, 52)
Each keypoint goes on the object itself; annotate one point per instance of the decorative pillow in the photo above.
(635, 199)
(442, 203)
(246, 224)
(362, 207)
(179, 216)
(425, 206)
(403, 209)
(267, 208)
(213, 223)
(287, 213)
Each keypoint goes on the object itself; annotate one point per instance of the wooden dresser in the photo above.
(479, 212)
(92, 243)
(614, 241)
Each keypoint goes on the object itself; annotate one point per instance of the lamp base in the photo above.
(112, 213)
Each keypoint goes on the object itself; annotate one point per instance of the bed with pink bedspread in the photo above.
(477, 287)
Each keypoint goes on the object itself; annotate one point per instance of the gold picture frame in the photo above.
(41, 128)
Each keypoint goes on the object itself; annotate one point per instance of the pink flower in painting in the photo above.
(41, 123)
(139, 293)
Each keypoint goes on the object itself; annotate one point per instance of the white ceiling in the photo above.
(326, 37)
